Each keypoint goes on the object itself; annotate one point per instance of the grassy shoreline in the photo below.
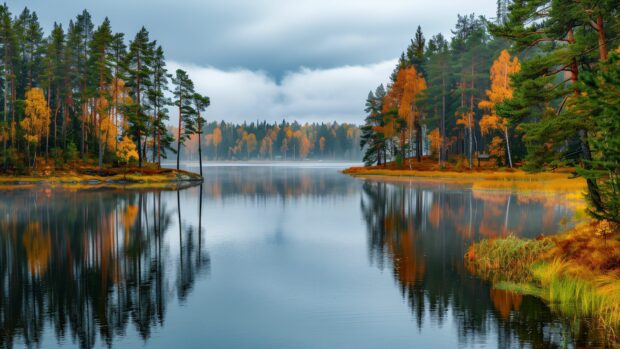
(576, 272)
(116, 177)
(483, 179)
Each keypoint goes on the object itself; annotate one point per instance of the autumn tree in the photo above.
(126, 150)
(500, 90)
(217, 139)
(250, 143)
(37, 120)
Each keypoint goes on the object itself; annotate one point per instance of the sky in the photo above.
(305, 60)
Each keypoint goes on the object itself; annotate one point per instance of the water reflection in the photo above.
(290, 250)
(87, 264)
(420, 231)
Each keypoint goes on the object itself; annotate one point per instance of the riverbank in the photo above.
(577, 272)
(89, 176)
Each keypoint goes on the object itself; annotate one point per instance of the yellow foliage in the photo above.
(435, 138)
(37, 120)
(126, 150)
(501, 70)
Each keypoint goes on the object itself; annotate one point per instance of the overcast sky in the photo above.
(308, 60)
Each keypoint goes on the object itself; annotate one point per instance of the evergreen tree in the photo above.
(10, 62)
(138, 70)
(101, 77)
(159, 101)
(54, 69)
(439, 84)
(184, 99)
(416, 51)
(599, 105)
(201, 103)
(567, 38)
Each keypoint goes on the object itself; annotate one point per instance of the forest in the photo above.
(84, 94)
(536, 88)
(273, 141)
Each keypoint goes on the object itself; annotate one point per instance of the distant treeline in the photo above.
(274, 141)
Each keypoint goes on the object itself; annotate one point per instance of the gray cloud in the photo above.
(271, 35)
(310, 60)
(335, 94)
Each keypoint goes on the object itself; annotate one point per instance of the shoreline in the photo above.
(561, 181)
(118, 178)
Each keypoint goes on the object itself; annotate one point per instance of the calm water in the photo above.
(268, 257)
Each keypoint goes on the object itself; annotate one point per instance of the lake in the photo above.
(264, 256)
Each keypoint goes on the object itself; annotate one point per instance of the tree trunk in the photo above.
(602, 43)
(139, 133)
(418, 141)
(508, 147)
(200, 150)
(7, 129)
(442, 148)
(179, 131)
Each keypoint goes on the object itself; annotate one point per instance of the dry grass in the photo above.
(507, 259)
(483, 180)
(577, 272)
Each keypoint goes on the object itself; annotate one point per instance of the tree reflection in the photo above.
(89, 263)
(421, 233)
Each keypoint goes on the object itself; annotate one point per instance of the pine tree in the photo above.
(201, 103)
(567, 37)
(159, 101)
(138, 69)
(83, 35)
(184, 99)
(438, 92)
(10, 62)
(119, 52)
(54, 69)
(101, 73)
(416, 52)
(599, 105)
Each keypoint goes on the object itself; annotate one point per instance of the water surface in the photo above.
(269, 257)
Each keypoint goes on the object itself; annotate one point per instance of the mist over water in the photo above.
(269, 256)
